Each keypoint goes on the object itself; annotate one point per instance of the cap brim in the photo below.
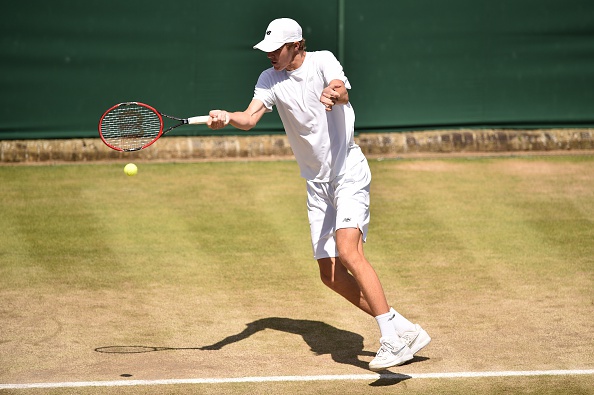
(268, 46)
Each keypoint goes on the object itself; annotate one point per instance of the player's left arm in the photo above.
(335, 93)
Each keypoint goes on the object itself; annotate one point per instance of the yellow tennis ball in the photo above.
(130, 169)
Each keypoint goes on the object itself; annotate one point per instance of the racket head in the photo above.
(130, 126)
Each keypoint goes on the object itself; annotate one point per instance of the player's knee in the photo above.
(328, 278)
(349, 257)
(333, 281)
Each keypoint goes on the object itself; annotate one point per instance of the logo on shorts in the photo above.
(346, 220)
(268, 32)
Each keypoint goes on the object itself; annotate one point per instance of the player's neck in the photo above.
(297, 61)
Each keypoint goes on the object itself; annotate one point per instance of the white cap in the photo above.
(279, 32)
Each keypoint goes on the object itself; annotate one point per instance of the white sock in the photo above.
(386, 326)
(400, 323)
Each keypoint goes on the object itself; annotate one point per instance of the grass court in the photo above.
(204, 271)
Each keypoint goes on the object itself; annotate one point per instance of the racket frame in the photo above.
(199, 120)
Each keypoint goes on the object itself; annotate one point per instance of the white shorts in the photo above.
(338, 204)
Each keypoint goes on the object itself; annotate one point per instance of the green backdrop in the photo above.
(412, 64)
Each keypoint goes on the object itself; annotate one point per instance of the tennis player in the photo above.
(309, 90)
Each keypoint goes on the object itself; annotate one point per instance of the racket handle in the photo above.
(198, 120)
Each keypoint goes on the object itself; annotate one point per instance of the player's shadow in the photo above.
(343, 346)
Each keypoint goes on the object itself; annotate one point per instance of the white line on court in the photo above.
(388, 376)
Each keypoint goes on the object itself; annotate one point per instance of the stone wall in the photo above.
(276, 146)
(477, 141)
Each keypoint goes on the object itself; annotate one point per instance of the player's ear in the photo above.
(301, 45)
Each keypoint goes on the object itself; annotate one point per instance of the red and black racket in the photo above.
(133, 126)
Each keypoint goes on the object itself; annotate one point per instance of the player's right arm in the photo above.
(244, 120)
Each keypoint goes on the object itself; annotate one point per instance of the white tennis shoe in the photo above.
(393, 352)
(416, 339)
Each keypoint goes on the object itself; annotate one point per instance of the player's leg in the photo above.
(351, 201)
(336, 277)
(364, 289)
(322, 214)
(350, 252)
(393, 350)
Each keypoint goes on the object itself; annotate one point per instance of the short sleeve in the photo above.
(331, 68)
(263, 90)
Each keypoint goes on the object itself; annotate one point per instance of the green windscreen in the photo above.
(412, 64)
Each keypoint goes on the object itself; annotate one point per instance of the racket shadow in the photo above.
(138, 349)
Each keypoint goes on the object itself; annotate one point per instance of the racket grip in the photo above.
(198, 120)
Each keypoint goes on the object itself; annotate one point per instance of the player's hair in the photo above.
(302, 45)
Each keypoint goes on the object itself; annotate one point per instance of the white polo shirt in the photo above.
(320, 139)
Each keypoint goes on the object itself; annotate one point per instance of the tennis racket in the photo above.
(132, 126)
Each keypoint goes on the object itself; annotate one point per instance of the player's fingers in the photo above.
(330, 93)
(335, 86)
(328, 102)
(218, 119)
(214, 122)
(225, 118)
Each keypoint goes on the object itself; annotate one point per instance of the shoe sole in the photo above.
(420, 342)
(405, 358)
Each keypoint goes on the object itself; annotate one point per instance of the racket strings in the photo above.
(130, 126)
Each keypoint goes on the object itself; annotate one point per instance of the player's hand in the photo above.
(218, 119)
(330, 96)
